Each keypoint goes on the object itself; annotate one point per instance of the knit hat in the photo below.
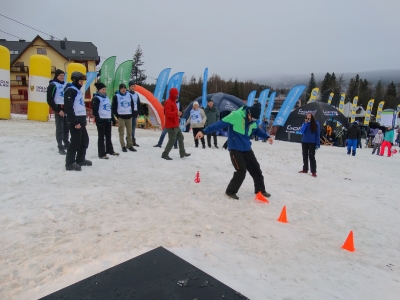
(99, 85)
(121, 85)
(173, 93)
(58, 72)
(209, 100)
(195, 103)
(131, 83)
(255, 111)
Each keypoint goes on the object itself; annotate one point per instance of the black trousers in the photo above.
(196, 141)
(242, 162)
(104, 132)
(214, 135)
(308, 150)
(62, 131)
(77, 148)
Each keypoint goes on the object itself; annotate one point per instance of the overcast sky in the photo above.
(244, 39)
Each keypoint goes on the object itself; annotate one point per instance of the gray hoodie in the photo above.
(378, 138)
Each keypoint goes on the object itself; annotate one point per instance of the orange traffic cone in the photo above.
(349, 243)
(261, 197)
(282, 218)
(197, 179)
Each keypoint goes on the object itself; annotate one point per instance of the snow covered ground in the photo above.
(59, 227)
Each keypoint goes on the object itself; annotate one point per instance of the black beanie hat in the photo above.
(122, 85)
(99, 85)
(58, 72)
(255, 111)
(209, 100)
(131, 83)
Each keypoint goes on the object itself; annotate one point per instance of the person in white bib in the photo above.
(101, 106)
(197, 119)
(55, 99)
(135, 110)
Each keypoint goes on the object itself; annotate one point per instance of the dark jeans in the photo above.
(214, 135)
(196, 141)
(242, 162)
(359, 144)
(162, 136)
(104, 131)
(62, 131)
(134, 119)
(77, 148)
(308, 150)
(173, 135)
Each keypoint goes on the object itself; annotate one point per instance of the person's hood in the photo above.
(69, 84)
(354, 125)
(173, 93)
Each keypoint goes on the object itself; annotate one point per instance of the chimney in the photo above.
(63, 45)
(22, 40)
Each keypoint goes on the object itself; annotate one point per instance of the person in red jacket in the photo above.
(172, 115)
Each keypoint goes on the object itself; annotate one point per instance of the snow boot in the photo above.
(124, 149)
(185, 155)
(62, 152)
(166, 157)
(73, 167)
(232, 195)
(87, 163)
(132, 149)
(134, 142)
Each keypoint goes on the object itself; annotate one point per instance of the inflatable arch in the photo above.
(148, 98)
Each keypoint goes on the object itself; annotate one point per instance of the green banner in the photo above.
(107, 74)
(123, 74)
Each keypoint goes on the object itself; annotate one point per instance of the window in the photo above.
(73, 51)
(15, 52)
(82, 52)
(18, 77)
(41, 51)
(11, 51)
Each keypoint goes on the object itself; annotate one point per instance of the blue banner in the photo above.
(161, 84)
(175, 82)
(204, 95)
(288, 105)
(270, 106)
(90, 76)
(250, 98)
(263, 100)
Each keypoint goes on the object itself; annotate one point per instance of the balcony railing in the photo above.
(20, 69)
(18, 97)
(19, 82)
(53, 69)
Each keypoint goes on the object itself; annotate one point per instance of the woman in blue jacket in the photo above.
(309, 143)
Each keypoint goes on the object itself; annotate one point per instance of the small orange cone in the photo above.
(197, 179)
(282, 218)
(349, 243)
(261, 197)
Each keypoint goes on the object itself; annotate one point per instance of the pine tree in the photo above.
(390, 96)
(325, 84)
(311, 85)
(353, 88)
(137, 74)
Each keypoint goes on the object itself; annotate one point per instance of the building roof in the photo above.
(83, 50)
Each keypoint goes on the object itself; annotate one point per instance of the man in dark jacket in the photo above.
(75, 110)
(55, 99)
(241, 125)
(135, 110)
(122, 108)
(353, 134)
(212, 115)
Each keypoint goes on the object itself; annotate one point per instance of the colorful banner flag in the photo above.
(379, 111)
(122, 75)
(341, 103)
(161, 84)
(107, 74)
(354, 109)
(90, 76)
(330, 98)
(270, 106)
(313, 96)
(395, 114)
(368, 112)
(250, 98)
(204, 95)
(263, 100)
(175, 82)
(288, 105)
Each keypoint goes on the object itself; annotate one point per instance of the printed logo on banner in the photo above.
(279, 121)
(314, 93)
(295, 130)
(229, 106)
(329, 113)
(4, 83)
(107, 107)
(305, 112)
(125, 104)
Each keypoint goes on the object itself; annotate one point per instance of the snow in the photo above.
(59, 227)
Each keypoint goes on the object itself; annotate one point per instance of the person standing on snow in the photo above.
(103, 118)
(122, 108)
(135, 110)
(353, 134)
(377, 141)
(212, 115)
(75, 110)
(310, 142)
(387, 141)
(241, 125)
(172, 115)
(197, 120)
(55, 99)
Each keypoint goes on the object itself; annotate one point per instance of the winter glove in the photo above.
(317, 147)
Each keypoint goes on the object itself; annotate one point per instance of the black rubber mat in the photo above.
(157, 274)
